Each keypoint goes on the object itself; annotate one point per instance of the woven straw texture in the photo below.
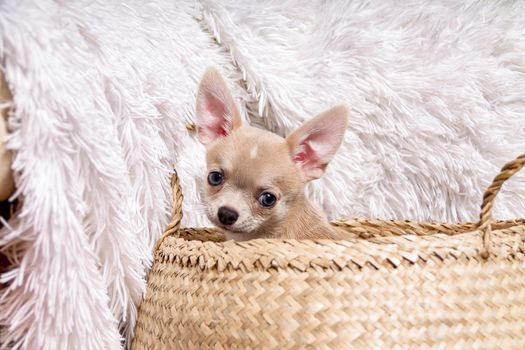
(399, 284)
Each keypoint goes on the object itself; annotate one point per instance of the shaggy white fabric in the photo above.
(102, 93)
(436, 91)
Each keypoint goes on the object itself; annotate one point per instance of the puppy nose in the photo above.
(227, 216)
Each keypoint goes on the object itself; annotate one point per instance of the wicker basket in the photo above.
(401, 284)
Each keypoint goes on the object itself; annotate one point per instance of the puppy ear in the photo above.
(313, 145)
(217, 114)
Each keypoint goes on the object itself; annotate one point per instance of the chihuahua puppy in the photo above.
(255, 180)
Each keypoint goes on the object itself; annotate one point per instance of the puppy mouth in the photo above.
(230, 228)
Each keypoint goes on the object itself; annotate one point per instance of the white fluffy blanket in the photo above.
(102, 93)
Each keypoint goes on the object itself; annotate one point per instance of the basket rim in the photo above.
(376, 252)
(484, 227)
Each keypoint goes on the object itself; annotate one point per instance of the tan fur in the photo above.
(271, 169)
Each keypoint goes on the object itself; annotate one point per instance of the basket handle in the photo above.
(489, 196)
(176, 211)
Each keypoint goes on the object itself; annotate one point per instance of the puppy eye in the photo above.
(267, 199)
(215, 178)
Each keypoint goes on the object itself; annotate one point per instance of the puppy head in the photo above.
(256, 178)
